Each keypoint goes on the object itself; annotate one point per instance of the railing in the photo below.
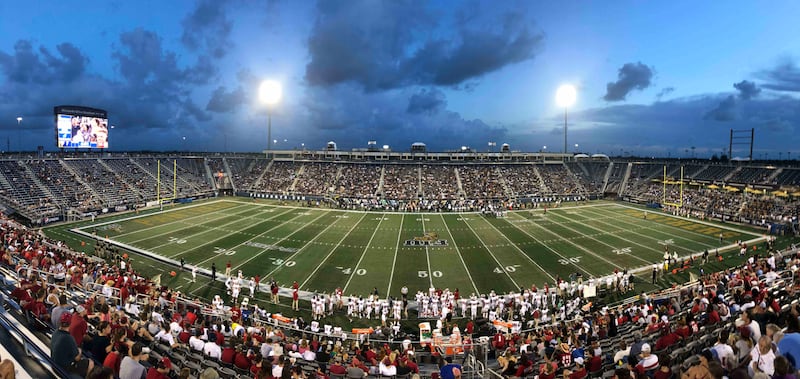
(33, 346)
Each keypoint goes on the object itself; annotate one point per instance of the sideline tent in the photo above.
(731, 189)
(713, 186)
(780, 193)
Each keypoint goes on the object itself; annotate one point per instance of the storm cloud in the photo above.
(384, 45)
(427, 101)
(631, 76)
(747, 89)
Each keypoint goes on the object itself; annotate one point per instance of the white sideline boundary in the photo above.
(306, 295)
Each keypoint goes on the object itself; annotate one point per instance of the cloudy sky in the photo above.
(652, 78)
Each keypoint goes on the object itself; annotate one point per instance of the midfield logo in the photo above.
(428, 239)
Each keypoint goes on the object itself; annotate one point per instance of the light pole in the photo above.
(184, 143)
(19, 133)
(491, 145)
(565, 97)
(576, 148)
(270, 93)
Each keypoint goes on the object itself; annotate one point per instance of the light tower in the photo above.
(19, 133)
(565, 97)
(270, 93)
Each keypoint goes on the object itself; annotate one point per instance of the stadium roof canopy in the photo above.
(581, 156)
(600, 156)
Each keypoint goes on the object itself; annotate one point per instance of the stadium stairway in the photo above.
(624, 185)
(606, 177)
(229, 172)
(209, 175)
(257, 183)
(80, 180)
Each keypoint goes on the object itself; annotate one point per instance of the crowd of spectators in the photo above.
(481, 182)
(279, 177)
(246, 171)
(439, 182)
(400, 182)
(359, 181)
(559, 180)
(316, 179)
(521, 180)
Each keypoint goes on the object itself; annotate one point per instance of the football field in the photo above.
(323, 249)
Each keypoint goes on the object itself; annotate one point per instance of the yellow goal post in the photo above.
(666, 180)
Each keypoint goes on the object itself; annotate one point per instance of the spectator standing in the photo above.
(65, 352)
(131, 368)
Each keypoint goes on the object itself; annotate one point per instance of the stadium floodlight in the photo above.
(19, 133)
(576, 147)
(565, 97)
(270, 93)
(386, 147)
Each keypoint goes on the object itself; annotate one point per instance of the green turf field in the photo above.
(324, 249)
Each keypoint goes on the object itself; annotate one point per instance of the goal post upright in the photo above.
(664, 201)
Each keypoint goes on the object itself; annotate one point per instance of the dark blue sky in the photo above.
(652, 78)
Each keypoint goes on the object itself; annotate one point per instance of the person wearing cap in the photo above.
(65, 352)
(131, 368)
(580, 370)
(78, 325)
(648, 361)
(161, 370)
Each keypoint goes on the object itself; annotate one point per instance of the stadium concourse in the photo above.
(81, 315)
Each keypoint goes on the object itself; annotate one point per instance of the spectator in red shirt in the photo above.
(580, 370)
(337, 368)
(228, 354)
(371, 356)
(240, 360)
(499, 341)
(595, 362)
(683, 330)
(666, 340)
(161, 370)
(78, 325)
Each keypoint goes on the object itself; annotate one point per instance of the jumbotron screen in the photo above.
(81, 127)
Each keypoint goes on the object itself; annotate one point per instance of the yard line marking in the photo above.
(604, 243)
(221, 210)
(396, 248)
(519, 250)
(567, 240)
(213, 229)
(459, 253)
(180, 220)
(304, 246)
(658, 231)
(546, 246)
(202, 224)
(332, 250)
(490, 252)
(427, 254)
(276, 243)
(725, 227)
(344, 289)
(148, 214)
(228, 235)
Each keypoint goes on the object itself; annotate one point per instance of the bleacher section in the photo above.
(50, 189)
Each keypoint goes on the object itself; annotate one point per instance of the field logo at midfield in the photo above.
(427, 239)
